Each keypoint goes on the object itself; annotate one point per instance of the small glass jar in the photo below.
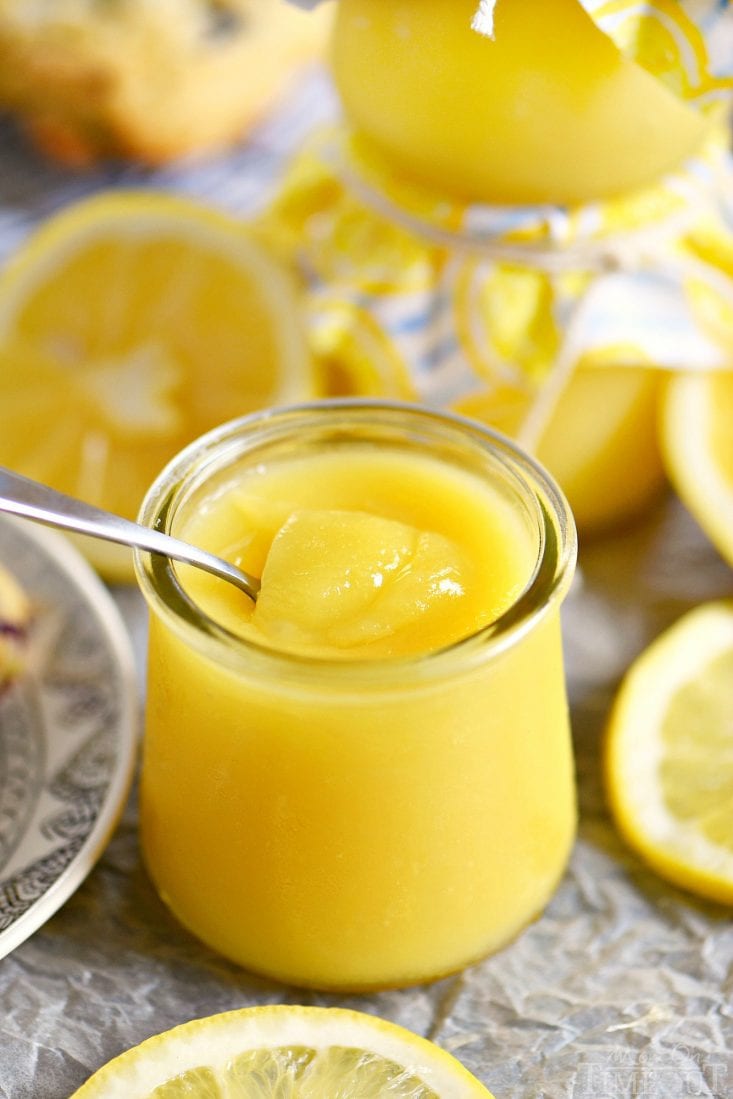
(358, 824)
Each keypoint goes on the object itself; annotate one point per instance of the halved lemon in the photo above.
(130, 324)
(697, 438)
(279, 1050)
(669, 761)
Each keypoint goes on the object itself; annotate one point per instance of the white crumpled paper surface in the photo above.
(623, 988)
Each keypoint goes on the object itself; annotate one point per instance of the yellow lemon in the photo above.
(129, 324)
(670, 753)
(610, 467)
(548, 111)
(697, 437)
(301, 1052)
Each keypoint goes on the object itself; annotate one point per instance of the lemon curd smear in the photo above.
(345, 814)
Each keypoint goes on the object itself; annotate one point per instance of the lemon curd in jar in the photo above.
(365, 780)
(547, 110)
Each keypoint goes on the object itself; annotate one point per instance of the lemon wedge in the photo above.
(697, 415)
(278, 1050)
(669, 761)
(130, 324)
(549, 110)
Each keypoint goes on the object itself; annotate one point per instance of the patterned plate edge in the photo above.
(66, 558)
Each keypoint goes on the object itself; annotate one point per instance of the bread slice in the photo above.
(150, 80)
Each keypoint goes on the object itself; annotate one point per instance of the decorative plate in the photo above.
(68, 732)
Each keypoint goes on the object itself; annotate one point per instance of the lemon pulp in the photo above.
(130, 324)
(670, 753)
(697, 413)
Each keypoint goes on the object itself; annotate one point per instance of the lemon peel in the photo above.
(304, 1052)
(669, 753)
(696, 417)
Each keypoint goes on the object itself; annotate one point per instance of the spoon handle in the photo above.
(32, 500)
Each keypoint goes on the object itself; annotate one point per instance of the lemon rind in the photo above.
(685, 418)
(634, 751)
(214, 1041)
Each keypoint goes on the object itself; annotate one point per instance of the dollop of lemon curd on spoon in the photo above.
(548, 110)
(371, 556)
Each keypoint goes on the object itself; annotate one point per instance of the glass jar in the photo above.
(358, 824)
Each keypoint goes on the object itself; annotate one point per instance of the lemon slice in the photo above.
(129, 324)
(299, 1052)
(698, 448)
(670, 753)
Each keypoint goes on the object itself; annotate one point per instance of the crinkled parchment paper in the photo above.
(624, 987)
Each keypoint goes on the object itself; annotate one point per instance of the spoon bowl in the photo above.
(32, 500)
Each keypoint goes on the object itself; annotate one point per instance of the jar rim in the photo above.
(220, 447)
(360, 168)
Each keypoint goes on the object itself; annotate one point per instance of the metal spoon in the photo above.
(33, 500)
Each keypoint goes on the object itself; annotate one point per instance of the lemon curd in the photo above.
(364, 780)
(548, 110)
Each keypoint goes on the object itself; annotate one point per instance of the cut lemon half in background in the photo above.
(669, 761)
(273, 1051)
(130, 323)
(697, 438)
